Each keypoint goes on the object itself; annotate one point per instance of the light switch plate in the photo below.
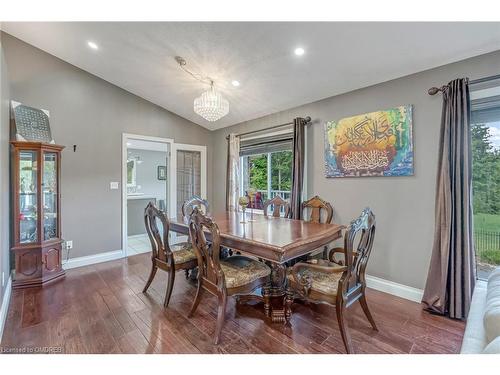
(113, 185)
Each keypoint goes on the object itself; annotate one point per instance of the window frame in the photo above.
(269, 165)
(483, 96)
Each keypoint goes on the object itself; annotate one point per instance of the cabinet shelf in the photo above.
(36, 240)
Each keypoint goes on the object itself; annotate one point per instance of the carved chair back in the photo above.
(206, 251)
(277, 202)
(158, 237)
(318, 208)
(191, 203)
(358, 243)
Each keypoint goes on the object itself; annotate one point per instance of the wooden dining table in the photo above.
(277, 241)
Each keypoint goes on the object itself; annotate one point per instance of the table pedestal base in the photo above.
(277, 304)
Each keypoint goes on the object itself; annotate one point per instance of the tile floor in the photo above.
(139, 244)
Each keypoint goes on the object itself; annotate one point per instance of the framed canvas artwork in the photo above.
(373, 144)
(162, 172)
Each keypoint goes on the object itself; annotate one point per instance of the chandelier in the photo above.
(210, 104)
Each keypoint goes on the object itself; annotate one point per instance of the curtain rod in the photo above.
(307, 120)
(435, 90)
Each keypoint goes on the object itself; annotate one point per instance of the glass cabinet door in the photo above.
(28, 169)
(49, 196)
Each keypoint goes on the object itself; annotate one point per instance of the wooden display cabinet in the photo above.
(36, 209)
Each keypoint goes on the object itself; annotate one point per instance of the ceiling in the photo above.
(339, 57)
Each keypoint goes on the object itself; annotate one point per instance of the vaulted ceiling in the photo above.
(339, 57)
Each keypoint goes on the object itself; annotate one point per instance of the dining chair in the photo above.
(320, 211)
(277, 202)
(337, 282)
(233, 276)
(194, 201)
(170, 258)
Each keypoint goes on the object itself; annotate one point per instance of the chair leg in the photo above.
(346, 337)
(170, 287)
(196, 299)
(221, 312)
(151, 277)
(367, 312)
(325, 253)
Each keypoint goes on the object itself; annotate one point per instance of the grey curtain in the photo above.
(298, 168)
(452, 272)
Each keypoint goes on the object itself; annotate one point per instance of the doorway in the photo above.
(160, 171)
(146, 177)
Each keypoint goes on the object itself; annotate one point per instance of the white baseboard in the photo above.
(390, 287)
(4, 308)
(93, 259)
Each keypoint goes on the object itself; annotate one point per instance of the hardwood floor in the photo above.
(100, 309)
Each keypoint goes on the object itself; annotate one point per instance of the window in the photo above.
(266, 165)
(485, 132)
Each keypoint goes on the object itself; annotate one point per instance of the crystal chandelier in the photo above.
(211, 105)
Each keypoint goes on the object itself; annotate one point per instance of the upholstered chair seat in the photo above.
(183, 252)
(326, 283)
(239, 270)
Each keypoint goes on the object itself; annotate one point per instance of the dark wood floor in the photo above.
(100, 309)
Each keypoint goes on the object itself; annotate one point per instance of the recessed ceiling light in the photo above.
(92, 45)
(235, 83)
(299, 51)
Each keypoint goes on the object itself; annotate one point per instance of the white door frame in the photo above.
(171, 168)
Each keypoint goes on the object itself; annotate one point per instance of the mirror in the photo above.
(131, 173)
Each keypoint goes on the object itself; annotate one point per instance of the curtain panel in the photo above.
(297, 168)
(233, 173)
(452, 271)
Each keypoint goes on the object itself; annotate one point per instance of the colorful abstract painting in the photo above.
(373, 144)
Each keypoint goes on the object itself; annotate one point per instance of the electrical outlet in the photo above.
(69, 245)
(113, 185)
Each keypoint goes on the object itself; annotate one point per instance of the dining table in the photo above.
(277, 241)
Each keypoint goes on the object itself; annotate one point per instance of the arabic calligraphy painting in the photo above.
(373, 144)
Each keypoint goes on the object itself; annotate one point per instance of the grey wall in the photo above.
(404, 206)
(147, 175)
(91, 113)
(150, 186)
(4, 171)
